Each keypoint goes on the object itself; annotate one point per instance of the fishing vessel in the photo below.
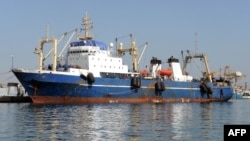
(90, 73)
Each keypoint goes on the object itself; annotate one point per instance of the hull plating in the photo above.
(59, 88)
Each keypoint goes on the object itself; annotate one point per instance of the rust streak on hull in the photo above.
(143, 99)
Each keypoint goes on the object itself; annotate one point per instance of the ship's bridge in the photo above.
(94, 56)
(92, 43)
(87, 47)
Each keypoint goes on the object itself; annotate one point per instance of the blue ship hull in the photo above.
(61, 88)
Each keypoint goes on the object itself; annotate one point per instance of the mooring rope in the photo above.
(5, 72)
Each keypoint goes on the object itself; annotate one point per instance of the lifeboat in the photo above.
(167, 72)
(144, 72)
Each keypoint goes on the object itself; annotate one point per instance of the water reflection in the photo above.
(107, 122)
(162, 121)
(148, 122)
(130, 122)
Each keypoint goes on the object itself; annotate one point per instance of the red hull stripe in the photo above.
(78, 100)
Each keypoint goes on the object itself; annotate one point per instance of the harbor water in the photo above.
(121, 122)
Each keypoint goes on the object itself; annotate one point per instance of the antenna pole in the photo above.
(196, 43)
(47, 31)
(12, 61)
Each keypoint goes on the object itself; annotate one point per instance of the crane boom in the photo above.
(144, 48)
(60, 54)
(57, 43)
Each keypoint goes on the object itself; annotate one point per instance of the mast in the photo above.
(87, 26)
(134, 56)
(207, 68)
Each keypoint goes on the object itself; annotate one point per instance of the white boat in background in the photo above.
(246, 94)
(234, 77)
(13, 92)
(238, 91)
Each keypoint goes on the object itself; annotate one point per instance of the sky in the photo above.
(218, 28)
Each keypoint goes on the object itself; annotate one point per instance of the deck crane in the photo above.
(120, 51)
(132, 50)
(48, 54)
(234, 77)
(62, 37)
(231, 75)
